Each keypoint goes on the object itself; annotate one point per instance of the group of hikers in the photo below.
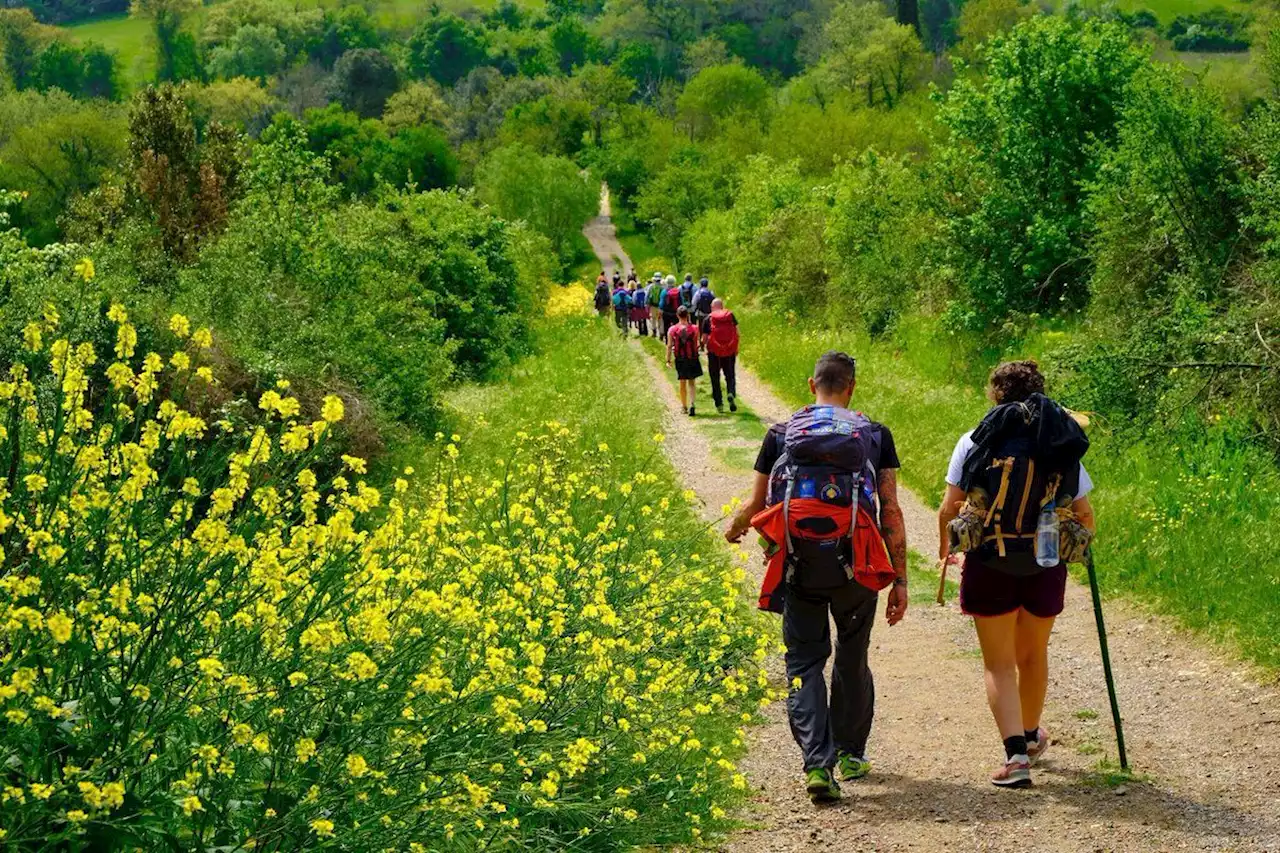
(825, 506)
(690, 319)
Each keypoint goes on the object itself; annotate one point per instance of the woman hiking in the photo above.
(1017, 504)
(682, 346)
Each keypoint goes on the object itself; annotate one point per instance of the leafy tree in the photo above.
(693, 181)
(982, 19)
(722, 92)
(547, 192)
(552, 125)
(184, 187)
(346, 28)
(241, 103)
(1025, 143)
(506, 15)
(416, 105)
(706, 52)
(571, 43)
(88, 72)
(56, 158)
(419, 158)
(867, 52)
(22, 39)
(167, 18)
(363, 80)
(640, 62)
(254, 51)
(606, 90)
(446, 48)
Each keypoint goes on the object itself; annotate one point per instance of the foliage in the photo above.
(981, 19)
(446, 48)
(362, 154)
(172, 49)
(868, 55)
(308, 638)
(548, 193)
(363, 80)
(21, 41)
(254, 51)
(415, 105)
(721, 93)
(693, 181)
(241, 103)
(1214, 30)
(1015, 223)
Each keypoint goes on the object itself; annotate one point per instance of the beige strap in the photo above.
(1006, 465)
(1026, 492)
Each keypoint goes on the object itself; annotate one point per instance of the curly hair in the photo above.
(1015, 381)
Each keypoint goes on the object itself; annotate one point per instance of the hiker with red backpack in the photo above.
(670, 306)
(825, 502)
(720, 340)
(1017, 506)
(682, 346)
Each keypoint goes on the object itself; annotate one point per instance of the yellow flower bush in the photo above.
(208, 645)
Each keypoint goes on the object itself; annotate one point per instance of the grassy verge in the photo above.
(648, 594)
(1189, 525)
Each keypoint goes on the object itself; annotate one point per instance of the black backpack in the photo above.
(602, 295)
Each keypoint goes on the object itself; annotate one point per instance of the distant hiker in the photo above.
(720, 340)
(682, 346)
(602, 296)
(702, 299)
(655, 292)
(670, 305)
(686, 292)
(621, 305)
(631, 277)
(1017, 505)
(826, 499)
(640, 309)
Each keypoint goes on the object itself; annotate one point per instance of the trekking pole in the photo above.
(1106, 658)
(942, 581)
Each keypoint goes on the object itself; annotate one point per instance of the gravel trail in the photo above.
(1200, 726)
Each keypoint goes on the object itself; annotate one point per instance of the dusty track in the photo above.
(1202, 729)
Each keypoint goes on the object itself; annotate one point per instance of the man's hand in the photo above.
(897, 606)
(737, 529)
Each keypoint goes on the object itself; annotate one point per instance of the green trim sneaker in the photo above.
(851, 766)
(821, 786)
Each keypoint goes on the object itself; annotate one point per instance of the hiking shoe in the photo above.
(1038, 747)
(851, 766)
(1016, 773)
(720, 408)
(733, 406)
(691, 411)
(821, 786)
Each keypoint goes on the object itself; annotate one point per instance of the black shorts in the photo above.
(987, 591)
(688, 368)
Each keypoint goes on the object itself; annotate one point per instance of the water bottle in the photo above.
(1047, 536)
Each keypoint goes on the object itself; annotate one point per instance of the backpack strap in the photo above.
(1026, 493)
(786, 527)
(996, 512)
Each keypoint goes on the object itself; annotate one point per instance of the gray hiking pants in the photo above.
(843, 725)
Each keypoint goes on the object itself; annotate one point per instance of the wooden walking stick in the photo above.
(942, 581)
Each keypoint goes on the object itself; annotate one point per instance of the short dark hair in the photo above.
(834, 371)
(1015, 381)
(682, 311)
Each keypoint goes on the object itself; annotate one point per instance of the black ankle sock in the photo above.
(1033, 735)
(1016, 745)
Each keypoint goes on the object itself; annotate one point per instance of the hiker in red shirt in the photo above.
(682, 345)
(720, 340)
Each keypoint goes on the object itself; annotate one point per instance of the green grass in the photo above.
(1086, 714)
(128, 37)
(1188, 524)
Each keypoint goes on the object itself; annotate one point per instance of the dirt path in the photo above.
(601, 235)
(1201, 728)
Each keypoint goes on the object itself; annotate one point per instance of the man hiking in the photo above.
(702, 299)
(654, 299)
(670, 305)
(720, 340)
(621, 305)
(686, 292)
(828, 478)
(682, 346)
(601, 300)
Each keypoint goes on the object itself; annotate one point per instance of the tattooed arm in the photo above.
(893, 528)
(892, 525)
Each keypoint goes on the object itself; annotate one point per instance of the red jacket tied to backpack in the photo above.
(722, 342)
(685, 340)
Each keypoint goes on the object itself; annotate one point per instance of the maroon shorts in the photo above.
(986, 591)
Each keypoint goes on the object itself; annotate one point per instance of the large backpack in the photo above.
(722, 340)
(602, 294)
(639, 298)
(686, 294)
(1032, 462)
(825, 482)
(686, 341)
(671, 300)
(702, 302)
(620, 299)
